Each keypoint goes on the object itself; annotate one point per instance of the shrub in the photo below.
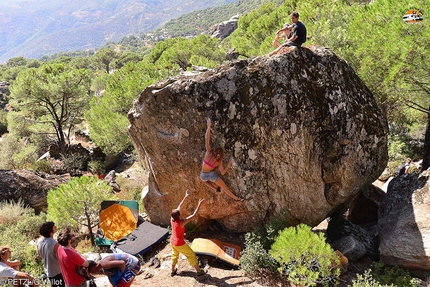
(73, 163)
(255, 258)
(43, 166)
(367, 280)
(19, 235)
(3, 122)
(305, 257)
(77, 203)
(393, 275)
(96, 167)
(11, 212)
(267, 234)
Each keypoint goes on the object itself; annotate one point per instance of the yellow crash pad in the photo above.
(226, 252)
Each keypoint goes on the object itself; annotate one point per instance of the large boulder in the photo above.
(404, 222)
(31, 188)
(224, 29)
(304, 130)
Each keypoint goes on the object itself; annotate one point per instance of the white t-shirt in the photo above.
(45, 246)
(6, 271)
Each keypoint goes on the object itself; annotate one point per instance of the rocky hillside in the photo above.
(34, 28)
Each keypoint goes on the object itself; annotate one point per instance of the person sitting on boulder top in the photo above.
(284, 33)
(405, 168)
(212, 160)
(297, 36)
(177, 240)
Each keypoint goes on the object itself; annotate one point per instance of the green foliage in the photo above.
(96, 167)
(394, 277)
(200, 21)
(127, 57)
(367, 280)
(19, 125)
(8, 146)
(267, 234)
(77, 203)
(73, 163)
(199, 51)
(76, 54)
(11, 212)
(43, 165)
(403, 147)
(256, 30)
(3, 122)
(98, 83)
(305, 257)
(16, 153)
(103, 58)
(51, 98)
(107, 116)
(255, 257)
(25, 157)
(18, 226)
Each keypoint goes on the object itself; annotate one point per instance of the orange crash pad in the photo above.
(225, 252)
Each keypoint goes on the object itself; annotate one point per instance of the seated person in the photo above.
(9, 270)
(297, 36)
(283, 33)
(121, 268)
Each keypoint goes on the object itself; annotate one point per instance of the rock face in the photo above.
(364, 207)
(305, 132)
(351, 239)
(224, 29)
(31, 187)
(404, 222)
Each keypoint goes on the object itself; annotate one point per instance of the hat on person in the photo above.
(286, 25)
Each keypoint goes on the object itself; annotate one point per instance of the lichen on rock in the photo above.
(304, 130)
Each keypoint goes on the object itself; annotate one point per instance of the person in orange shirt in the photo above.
(177, 239)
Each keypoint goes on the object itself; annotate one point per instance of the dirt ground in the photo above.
(218, 273)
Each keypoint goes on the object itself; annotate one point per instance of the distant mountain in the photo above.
(33, 28)
(199, 21)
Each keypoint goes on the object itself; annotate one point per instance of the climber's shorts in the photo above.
(209, 176)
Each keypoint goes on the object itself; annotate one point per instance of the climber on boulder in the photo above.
(212, 160)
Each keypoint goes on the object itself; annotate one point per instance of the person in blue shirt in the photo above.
(121, 268)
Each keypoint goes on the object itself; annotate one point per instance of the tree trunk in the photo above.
(426, 153)
(90, 229)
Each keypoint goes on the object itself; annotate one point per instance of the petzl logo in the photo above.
(412, 16)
